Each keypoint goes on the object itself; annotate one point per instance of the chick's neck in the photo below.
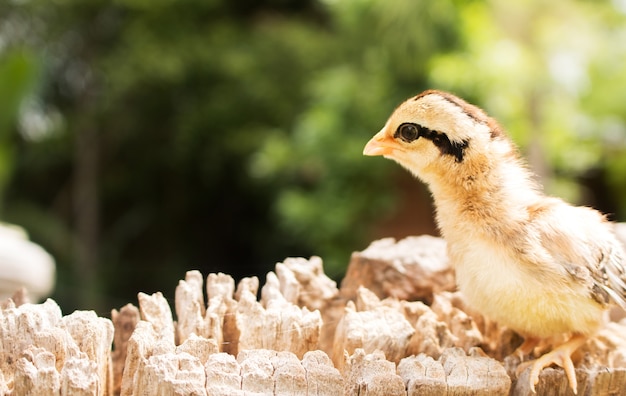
(483, 196)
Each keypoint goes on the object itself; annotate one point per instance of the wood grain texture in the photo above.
(303, 336)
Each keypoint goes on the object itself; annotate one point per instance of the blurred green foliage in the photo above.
(19, 72)
(140, 139)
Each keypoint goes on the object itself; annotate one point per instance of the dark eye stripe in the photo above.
(410, 132)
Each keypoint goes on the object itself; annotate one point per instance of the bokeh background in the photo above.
(143, 138)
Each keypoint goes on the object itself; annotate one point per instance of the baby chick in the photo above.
(528, 261)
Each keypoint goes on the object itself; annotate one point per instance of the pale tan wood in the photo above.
(280, 325)
(94, 336)
(433, 336)
(256, 370)
(268, 372)
(460, 324)
(223, 375)
(220, 316)
(473, 375)
(380, 345)
(46, 353)
(199, 347)
(20, 328)
(297, 329)
(601, 370)
(205, 321)
(323, 379)
(374, 326)
(124, 322)
(606, 381)
(4, 387)
(155, 309)
(411, 269)
(371, 375)
(141, 345)
(250, 316)
(189, 306)
(289, 375)
(304, 283)
(170, 374)
(332, 313)
(422, 375)
(81, 377)
(552, 382)
(249, 285)
(608, 347)
(36, 373)
(455, 373)
(154, 365)
(220, 286)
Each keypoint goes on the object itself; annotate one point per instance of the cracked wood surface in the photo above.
(394, 327)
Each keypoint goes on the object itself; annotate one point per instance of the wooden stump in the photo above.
(395, 327)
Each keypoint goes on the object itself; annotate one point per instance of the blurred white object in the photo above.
(24, 264)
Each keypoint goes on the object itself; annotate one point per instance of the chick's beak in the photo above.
(380, 144)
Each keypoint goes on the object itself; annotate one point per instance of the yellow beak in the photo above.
(380, 144)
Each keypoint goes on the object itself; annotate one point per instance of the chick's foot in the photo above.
(561, 356)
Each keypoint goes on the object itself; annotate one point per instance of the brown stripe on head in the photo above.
(474, 112)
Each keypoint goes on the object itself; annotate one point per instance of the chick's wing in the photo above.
(581, 240)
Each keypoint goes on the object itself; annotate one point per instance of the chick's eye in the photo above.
(408, 132)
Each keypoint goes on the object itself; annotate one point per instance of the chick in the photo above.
(530, 262)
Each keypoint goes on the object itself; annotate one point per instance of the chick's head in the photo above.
(434, 131)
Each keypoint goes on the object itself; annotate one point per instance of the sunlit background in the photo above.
(143, 138)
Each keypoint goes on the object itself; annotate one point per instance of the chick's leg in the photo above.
(526, 348)
(561, 356)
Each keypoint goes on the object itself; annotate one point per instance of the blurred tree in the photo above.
(19, 73)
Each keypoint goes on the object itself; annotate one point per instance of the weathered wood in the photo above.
(221, 312)
(44, 353)
(370, 325)
(154, 335)
(190, 307)
(261, 371)
(322, 377)
(199, 347)
(124, 322)
(170, 374)
(283, 343)
(36, 374)
(474, 374)
(433, 336)
(304, 283)
(454, 373)
(412, 269)
(223, 375)
(422, 375)
(276, 324)
(155, 309)
(94, 336)
(371, 375)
